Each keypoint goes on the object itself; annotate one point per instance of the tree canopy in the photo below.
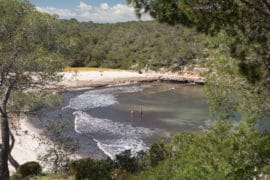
(28, 59)
(130, 45)
(215, 154)
(241, 41)
(237, 48)
(238, 85)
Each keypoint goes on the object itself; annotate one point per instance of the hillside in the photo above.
(131, 45)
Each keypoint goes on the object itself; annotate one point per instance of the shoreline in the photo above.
(93, 79)
(27, 146)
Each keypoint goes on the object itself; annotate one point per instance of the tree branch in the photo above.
(6, 97)
(12, 161)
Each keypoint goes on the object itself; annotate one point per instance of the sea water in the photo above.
(114, 119)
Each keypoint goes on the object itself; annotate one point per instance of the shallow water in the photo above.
(114, 119)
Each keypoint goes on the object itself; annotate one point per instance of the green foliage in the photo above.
(119, 174)
(158, 152)
(241, 46)
(62, 147)
(50, 177)
(266, 169)
(127, 162)
(29, 59)
(27, 40)
(28, 169)
(131, 45)
(30, 43)
(90, 169)
(133, 164)
(217, 153)
(227, 90)
(22, 101)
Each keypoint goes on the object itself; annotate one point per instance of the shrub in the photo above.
(119, 174)
(218, 153)
(158, 152)
(29, 169)
(127, 162)
(143, 160)
(90, 169)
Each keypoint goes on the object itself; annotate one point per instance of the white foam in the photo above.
(99, 97)
(112, 137)
(117, 146)
(85, 123)
(92, 100)
(100, 146)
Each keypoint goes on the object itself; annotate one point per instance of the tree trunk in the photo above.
(12, 161)
(4, 172)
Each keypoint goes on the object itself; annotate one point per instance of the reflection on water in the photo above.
(131, 117)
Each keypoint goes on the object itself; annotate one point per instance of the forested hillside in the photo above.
(131, 45)
(233, 35)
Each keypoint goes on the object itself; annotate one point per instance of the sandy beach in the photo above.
(27, 147)
(85, 79)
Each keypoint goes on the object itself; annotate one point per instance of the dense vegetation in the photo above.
(239, 56)
(237, 53)
(217, 153)
(131, 45)
(239, 47)
(28, 59)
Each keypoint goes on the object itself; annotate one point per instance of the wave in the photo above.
(99, 97)
(112, 137)
(120, 145)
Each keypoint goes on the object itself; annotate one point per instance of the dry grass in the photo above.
(78, 69)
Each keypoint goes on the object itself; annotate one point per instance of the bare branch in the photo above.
(12, 161)
(5, 98)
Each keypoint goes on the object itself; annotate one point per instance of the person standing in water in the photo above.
(141, 112)
(131, 113)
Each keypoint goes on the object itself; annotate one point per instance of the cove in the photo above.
(107, 121)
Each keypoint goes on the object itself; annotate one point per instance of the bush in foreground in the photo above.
(90, 169)
(28, 169)
(219, 153)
